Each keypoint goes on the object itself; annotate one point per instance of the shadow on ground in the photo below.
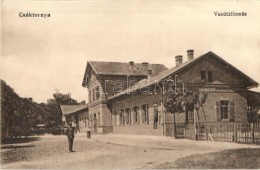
(19, 140)
(16, 146)
(246, 158)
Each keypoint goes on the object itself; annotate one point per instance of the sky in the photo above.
(40, 55)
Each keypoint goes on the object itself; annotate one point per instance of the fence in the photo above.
(225, 131)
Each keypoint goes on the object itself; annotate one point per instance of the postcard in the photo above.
(97, 84)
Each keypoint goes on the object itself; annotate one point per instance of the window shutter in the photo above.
(218, 111)
(231, 111)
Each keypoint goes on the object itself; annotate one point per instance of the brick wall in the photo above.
(137, 127)
(103, 118)
(140, 129)
(209, 114)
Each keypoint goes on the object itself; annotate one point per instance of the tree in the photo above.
(18, 115)
(62, 99)
(176, 101)
(54, 116)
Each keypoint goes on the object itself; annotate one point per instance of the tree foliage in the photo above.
(18, 115)
(61, 99)
(54, 116)
(176, 101)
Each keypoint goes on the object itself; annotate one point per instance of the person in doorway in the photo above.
(70, 135)
(155, 116)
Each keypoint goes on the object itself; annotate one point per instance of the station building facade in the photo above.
(122, 95)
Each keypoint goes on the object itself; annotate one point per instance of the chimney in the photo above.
(190, 54)
(178, 60)
(131, 63)
(145, 64)
(149, 72)
(131, 66)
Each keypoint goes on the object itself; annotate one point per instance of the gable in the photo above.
(218, 70)
(207, 62)
(89, 76)
(190, 72)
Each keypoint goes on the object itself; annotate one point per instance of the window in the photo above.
(136, 115)
(127, 116)
(93, 94)
(97, 92)
(224, 109)
(210, 76)
(145, 115)
(191, 116)
(115, 118)
(203, 75)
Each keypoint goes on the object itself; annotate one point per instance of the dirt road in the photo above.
(106, 151)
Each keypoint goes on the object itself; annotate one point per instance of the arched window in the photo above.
(136, 114)
(127, 116)
(145, 113)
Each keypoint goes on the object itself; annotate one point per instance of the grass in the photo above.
(245, 158)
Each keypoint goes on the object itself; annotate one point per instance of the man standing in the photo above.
(70, 135)
(155, 116)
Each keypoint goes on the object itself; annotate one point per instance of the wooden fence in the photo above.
(225, 131)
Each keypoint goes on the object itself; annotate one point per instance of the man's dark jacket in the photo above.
(70, 132)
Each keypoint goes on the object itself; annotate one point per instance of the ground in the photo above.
(124, 152)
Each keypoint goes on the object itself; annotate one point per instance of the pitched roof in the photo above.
(253, 98)
(119, 68)
(154, 79)
(69, 109)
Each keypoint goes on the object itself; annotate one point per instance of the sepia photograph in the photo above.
(130, 84)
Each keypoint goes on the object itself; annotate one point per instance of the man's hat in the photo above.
(154, 105)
